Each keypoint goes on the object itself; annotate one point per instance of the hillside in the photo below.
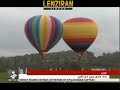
(65, 60)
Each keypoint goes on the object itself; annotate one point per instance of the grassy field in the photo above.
(115, 76)
(3, 77)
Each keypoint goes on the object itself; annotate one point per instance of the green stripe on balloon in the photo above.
(34, 30)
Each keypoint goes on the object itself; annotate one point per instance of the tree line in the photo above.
(64, 60)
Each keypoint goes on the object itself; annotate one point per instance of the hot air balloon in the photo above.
(43, 32)
(79, 34)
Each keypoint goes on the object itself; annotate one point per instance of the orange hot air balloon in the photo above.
(79, 34)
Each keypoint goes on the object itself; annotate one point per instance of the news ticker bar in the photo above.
(66, 78)
(73, 72)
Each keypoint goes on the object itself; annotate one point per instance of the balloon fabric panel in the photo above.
(43, 32)
(79, 33)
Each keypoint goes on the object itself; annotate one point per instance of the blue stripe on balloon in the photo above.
(38, 30)
(58, 28)
(34, 31)
(80, 44)
(80, 47)
(56, 34)
(61, 30)
(30, 31)
(58, 31)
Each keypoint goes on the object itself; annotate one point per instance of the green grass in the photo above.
(114, 76)
(3, 77)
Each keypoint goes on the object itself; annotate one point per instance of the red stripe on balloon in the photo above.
(74, 20)
(52, 32)
(82, 40)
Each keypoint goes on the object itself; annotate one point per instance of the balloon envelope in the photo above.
(79, 34)
(43, 32)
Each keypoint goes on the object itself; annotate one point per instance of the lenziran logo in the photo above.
(57, 4)
(13, 77)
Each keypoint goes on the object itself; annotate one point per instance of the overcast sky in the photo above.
(12, 20)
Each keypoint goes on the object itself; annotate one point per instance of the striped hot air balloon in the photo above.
(79, 34)
(43, 32)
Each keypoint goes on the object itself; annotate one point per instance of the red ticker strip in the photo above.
(73, 72)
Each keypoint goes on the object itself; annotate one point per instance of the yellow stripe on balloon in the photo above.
(80, 32)
(48, 32)
(83, 30)
(80, 25)
(42, 30)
